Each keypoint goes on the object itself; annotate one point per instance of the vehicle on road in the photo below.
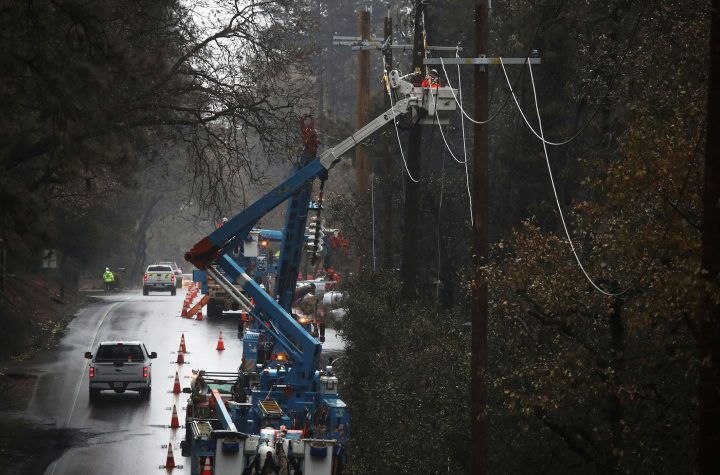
(177, 270)
(120, 366)
(159, 277)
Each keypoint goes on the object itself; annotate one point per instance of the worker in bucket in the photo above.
(108, 278)
(431, 80)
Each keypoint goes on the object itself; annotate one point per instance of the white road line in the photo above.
(82, 373)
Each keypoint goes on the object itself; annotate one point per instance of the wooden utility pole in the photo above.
(408, 267)
(362, 166)
(709, 385)
(479, 304)
(386, 242)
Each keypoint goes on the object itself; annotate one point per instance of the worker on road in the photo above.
(108, 279)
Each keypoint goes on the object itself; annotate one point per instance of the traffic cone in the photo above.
(207, 469)
(170, 462)
(186, 305)
(174, 422)
(176, 386)
(182, 344)
(221, 344)
(180, 357)
(199, 315)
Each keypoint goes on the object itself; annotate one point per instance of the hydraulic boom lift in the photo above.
(280, 407)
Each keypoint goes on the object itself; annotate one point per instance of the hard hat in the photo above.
(107, 268)
(224, 220)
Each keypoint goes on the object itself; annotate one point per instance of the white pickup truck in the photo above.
(159, 277)
(120, 366)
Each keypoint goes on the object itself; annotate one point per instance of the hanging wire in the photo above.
(459, 103)
(649, 263)
(467, 174)
(397, 134)
(611, 84)
(557, 199)
(447, 147)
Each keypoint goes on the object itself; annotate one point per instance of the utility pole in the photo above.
(408, 267)
(481, 198)
(386, 249)
(708, 395)
(363, 44)
(479, 300)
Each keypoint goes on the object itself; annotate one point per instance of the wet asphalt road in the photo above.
(121, 433)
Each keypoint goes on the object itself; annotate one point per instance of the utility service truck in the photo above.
(280, 412)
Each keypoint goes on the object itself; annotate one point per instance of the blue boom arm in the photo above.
(303, 349)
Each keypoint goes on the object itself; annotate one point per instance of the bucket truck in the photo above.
(281, 412)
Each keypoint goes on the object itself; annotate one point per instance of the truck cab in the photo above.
(159, 277)
(120, 366)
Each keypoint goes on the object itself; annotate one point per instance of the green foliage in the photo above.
(405, 375)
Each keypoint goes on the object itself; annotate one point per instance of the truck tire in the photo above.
(93, 394)
(145, 291)
(184, 449)
(173, 291)
(145, 393)
(214, 310)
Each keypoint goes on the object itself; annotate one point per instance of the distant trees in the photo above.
(595, 383)
(581, 382)
(92, 92)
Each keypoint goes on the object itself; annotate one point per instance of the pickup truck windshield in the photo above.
(159, 269)
(119, 353)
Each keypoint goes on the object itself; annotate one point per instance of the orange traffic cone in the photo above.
(207, 469)
(176, 386)
(182, 344)
(170, 462)
(199, 315)
(221, 344)
(180, 357)
(174, 421)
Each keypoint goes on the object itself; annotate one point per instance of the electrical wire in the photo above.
(467, 174)
(459, 104)
(557, 199)
(397, 134)
(649, 264)
(611, 83)
(447, 147)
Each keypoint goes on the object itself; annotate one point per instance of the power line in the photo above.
(397, 134)
(644, 272)
(465, 162)
(557, 199)
(459, 104)
(611, 84)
